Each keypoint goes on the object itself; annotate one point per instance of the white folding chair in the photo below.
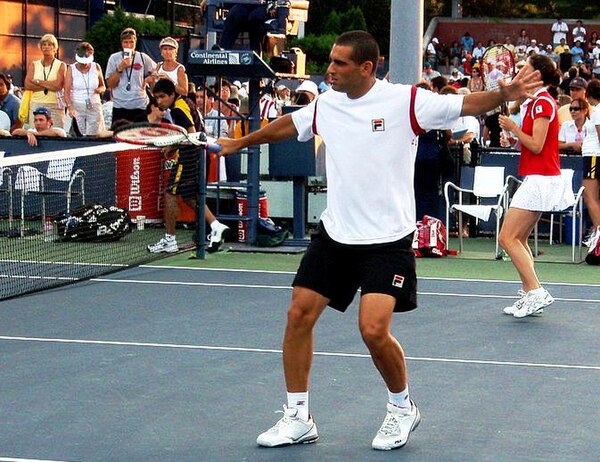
(488, 182)
(31, 181)
(575, 213)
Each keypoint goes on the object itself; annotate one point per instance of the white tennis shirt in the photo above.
(371, 146)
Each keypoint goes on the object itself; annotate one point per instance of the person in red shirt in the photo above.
(543, 188)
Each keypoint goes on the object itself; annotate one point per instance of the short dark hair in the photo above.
(5, 79)
(165, 86)
(364, 46)
(593, 89)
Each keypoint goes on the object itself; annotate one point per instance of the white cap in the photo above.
(309, 86)
(434, 40)
(84, 59)
(533, 41)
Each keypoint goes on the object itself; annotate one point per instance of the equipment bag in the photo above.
(93, 223)
(430, 238)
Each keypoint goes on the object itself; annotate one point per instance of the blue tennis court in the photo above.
(167, 364)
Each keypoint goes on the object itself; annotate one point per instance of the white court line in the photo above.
(425, 278)
(265, 286)
(276, 351)
(12, 459)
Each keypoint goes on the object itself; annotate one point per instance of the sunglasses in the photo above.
(574, 108)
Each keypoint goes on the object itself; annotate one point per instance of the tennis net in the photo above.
(45, 242)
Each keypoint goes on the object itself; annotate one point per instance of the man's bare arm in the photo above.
(280, 129)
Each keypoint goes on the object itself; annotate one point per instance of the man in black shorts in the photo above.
(182, 161)
(370, 128)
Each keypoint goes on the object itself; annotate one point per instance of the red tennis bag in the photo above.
(430, 238)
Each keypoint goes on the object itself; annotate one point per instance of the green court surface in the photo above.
(476, 262)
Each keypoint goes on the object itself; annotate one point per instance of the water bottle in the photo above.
(49, 231)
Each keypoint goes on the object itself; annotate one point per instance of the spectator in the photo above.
(251, 18)
(572, 132)
(45, 78)
(591, 43)
(431, 53)
(326, 83)
(467, 42)
(532, 48)
(43, 126)
(215, 126)
(443, 57)
(170, 68)
(590, 150)
(125, 76)
(283, 97)
(9, 104)
(478, 51)
(551, 54)
(182, 161)
(562, 47)
(306, 92)
(559, 31)
(455, 54)
(508, 43)
(577, 52)
(523, 39)
(579, 32)
(84, 84)
(429, 73)
(475, 82)
(595, 57)
(577, 87)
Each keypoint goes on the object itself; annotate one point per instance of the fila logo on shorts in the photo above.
(398, 281)
(378, 125)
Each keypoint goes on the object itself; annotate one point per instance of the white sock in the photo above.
(169, 237)
(299, 401)
(401, 399)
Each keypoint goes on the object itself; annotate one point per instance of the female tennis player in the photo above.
(543, 188)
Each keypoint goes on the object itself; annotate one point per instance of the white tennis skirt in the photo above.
(542, 193)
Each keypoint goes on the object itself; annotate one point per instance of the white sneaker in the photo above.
(512, 309)
(592, 239)
(164, 245)
(289, 430)
(217, 237)
(533, 303)
(396, 427)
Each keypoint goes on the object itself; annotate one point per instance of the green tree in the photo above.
(104, 34)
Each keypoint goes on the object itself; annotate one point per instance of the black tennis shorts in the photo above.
(182, 165)
(337, 271)
(591, 169)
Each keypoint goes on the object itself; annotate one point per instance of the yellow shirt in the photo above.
(51, 73)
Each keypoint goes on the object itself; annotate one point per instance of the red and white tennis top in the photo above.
(547, 162)
(371, 146)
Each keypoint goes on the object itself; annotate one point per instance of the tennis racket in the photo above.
(162, 135)
(498, 63)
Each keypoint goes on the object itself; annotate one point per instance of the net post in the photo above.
(200, 206)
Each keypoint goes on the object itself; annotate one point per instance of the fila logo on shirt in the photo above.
(378, 125)
(398, 281)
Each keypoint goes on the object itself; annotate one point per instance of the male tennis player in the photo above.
(370, 128)
(183, 165)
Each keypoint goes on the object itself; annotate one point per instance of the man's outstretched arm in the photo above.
(280, 129)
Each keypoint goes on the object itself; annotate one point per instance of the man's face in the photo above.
(164, 101)
(203, 103)
(346, 75)
(3, 88)
(41, 122)
(128, 43)
(577, 93)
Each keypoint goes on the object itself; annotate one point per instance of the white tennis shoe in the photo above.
(512, 309)
(533, 303)
(164, 245)
(217, 237)
(290, 429)
(396, 427)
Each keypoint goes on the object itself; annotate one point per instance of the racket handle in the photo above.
(213, 147)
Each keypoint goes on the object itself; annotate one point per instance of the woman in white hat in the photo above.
(84, 83)
(170, 68)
